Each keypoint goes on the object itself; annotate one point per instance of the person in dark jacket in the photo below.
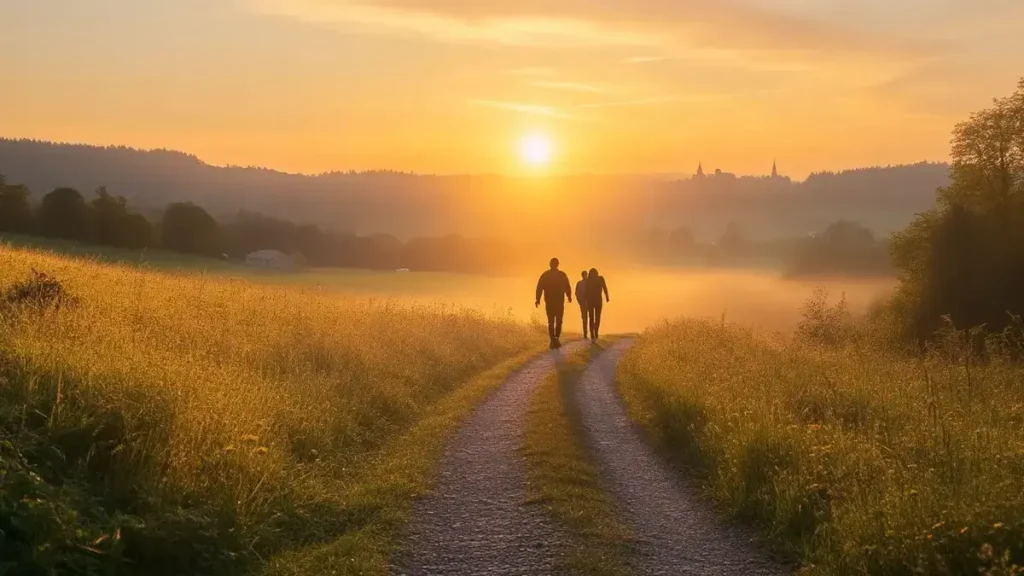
(595, 287)
(554, 286)
(581, 299)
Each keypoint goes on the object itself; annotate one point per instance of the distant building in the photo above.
(272, 259)
(718, 173)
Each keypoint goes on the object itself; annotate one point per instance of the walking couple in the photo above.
(554, 287)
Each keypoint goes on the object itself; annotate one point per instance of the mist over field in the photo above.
(640, 297)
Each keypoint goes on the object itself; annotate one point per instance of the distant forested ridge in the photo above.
(884, 199)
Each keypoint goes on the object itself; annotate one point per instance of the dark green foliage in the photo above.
(844, 247)
(54, 517)
(15, 210)
(116, 226)
(39, 291)
(65, 214)
(189, 229)
(965, 259)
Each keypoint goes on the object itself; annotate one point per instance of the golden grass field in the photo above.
(642, 296)
(247, 412)
(188, 422)
(854, 460)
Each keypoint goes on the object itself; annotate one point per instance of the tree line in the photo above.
(844, 247)
(184, 227)
(106, 219)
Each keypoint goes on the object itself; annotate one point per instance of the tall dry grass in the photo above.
(853, 458)
(207, 424)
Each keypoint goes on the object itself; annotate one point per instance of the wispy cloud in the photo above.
(540, 29)
(573, 86)
(523, 108)
(653, 29)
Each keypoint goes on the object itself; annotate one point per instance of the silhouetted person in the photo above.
(581, 299)
(554, 285)
(595, 286)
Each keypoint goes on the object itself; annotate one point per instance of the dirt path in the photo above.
(677, 532)
(476, 520)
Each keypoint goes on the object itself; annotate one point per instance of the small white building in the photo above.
(272, 259)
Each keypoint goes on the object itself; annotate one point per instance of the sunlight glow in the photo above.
(535, 150)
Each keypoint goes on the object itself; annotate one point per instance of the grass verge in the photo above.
(380, 500)
(852, 459)
(565, 482)
(169, 424)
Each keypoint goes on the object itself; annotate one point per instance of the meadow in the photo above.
(190, 423)
(853, 457)
(641, 296)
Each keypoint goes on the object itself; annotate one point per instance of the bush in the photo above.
(823, 323)
(40, 290)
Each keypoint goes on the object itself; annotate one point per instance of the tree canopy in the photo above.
(965, 258)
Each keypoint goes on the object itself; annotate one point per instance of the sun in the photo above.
(535, 150)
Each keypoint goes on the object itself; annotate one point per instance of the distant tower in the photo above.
(700, 170)
(775, 170)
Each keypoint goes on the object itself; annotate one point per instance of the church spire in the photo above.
(700, 170)
(775, 170)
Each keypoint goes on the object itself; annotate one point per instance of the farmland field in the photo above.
(641, 296)
(193, 423)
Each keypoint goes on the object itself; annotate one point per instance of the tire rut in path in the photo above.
(476, 520)
(677, 533)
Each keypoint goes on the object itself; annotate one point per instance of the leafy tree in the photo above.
(15, 210)
(65, 214)
(115, 225)
(139, 232)
(190, 229)
(965, 258)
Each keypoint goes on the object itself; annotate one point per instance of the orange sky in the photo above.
(450, 86)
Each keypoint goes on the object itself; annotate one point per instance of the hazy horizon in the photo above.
(680, 174)
(448, 87)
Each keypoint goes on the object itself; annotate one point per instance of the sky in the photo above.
(452, 86)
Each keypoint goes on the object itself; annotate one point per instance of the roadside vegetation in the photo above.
(564, 481)
(890, 444)
(161, 424)
(852, 458)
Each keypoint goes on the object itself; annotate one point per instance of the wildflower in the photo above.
(261, 450)
(986, 551)
(999, 525)
(913, 492)
(939, 525)
(963, 530)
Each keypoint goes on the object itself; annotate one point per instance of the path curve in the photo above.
(476, 520)
(677, 532)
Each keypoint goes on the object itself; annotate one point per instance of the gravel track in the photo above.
(677, 532)
(476, 520)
